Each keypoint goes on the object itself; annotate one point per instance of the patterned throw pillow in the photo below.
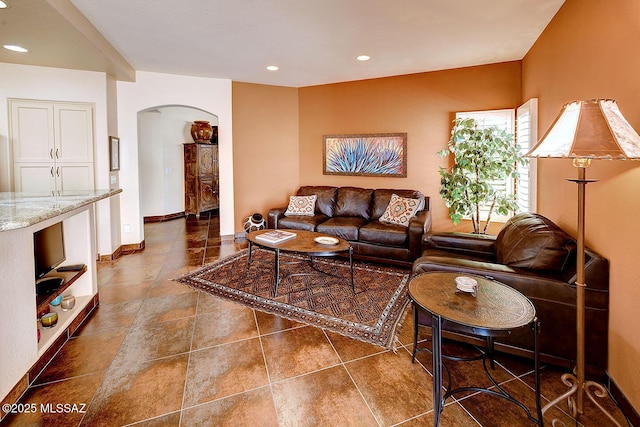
(400, 210)
(301, 206)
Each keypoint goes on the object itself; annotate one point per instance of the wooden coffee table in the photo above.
(303, 243)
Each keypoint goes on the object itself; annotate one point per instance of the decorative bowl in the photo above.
(466, 284)
(49, 320)
(68, 302)
(57, 300)
(326, 240)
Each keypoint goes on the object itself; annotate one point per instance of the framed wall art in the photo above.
(114, 153)
(383, 155)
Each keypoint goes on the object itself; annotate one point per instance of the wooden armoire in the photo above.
(200, 178)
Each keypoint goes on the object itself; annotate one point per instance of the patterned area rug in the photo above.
(373, 314)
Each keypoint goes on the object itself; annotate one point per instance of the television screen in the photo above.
(48, 249)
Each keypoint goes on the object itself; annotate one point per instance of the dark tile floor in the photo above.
(157, 353)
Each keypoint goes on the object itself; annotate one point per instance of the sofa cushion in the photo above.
(384, 234)
(326, 200)
(301, 205)
(400, 210)
(532, 241)
(354, 202)
(382, 197)
(342, 226)
(308, 223)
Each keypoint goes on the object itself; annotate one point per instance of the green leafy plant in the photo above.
(482, 156)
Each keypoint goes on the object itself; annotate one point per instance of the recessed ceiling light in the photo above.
(15, 48)
(363, 57)
(3, 4)
(272, 68)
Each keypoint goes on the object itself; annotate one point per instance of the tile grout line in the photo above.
(186, 374)
(353, 381)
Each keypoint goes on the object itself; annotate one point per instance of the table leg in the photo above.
(536, 361)
(353, 287)
(277, 272)
(415, 334)
(490, 351)
(436, 349)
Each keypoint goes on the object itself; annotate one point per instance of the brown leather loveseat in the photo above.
(536, 257)
(354, 214)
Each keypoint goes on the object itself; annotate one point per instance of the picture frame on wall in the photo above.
(114, 153)
(380, 154)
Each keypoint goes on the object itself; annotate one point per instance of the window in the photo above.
(527, 136)
(522, 123)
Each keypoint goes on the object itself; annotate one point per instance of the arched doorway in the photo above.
(162, 132)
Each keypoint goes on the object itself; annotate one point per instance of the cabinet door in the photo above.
(73, 132)
(74, 177)
(32, 131)
(34, 177)
(206, 160)
(208, 194)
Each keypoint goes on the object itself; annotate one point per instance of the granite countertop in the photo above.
(20, 210)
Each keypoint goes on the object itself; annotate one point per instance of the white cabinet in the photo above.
(52, 146)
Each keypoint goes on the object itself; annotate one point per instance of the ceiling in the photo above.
(311, 41)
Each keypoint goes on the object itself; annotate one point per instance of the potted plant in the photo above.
(482, 157)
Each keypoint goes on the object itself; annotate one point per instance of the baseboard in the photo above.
(111, 257)
(625, 406)
(127, 249)
(162, 218)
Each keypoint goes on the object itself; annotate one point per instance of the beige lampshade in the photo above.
(594, 129)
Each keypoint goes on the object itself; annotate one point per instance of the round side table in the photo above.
(495, 310)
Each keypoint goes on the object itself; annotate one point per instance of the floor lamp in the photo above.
(584, 131)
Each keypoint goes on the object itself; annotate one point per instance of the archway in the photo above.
(162, 131)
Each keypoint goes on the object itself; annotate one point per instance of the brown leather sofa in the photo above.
(353, 214)
(536, 257)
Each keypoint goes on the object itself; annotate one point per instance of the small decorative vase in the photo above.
(201, 131)
(254, 222)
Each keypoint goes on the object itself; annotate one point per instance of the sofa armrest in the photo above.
(418, 226)
(274, 216)
(537, 285)
(473, 245)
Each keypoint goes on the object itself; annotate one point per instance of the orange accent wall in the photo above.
(589, 50)
(266, 160)
(422, 105)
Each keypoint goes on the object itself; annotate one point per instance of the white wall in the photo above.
(56, 84)
(155, 89)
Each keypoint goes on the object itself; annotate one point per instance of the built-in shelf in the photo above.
(65, 318)
(42, 301)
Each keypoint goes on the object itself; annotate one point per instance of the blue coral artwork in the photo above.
(365, 155)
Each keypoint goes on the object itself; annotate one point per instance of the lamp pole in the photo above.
(579, 387)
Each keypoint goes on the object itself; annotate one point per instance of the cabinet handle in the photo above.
(57, 171)
(51, 153)
(51, 171)
(57, 154)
